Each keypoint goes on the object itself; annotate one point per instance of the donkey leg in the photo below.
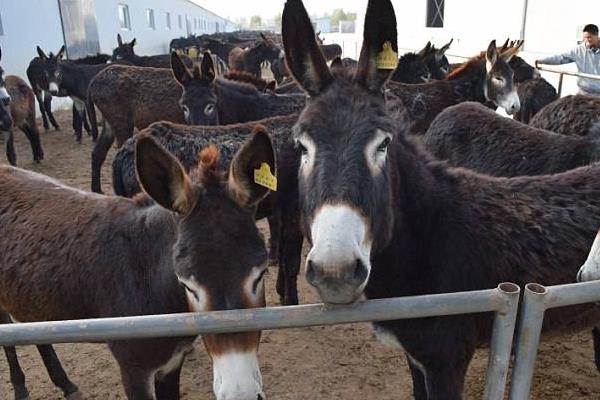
(11, 155)
(34, 140)
(273, 239)
(86, 124)
(418, 379)
(57, 374)
(167, 386)
(290, 259)
(40, 100)
(48, 108)
(138, 383)
(17, 377)
(99, 153)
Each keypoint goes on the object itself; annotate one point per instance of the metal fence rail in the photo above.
(536, 300)
(562, 73)
(503, 301)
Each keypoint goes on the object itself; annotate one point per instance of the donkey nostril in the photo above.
(360, 271)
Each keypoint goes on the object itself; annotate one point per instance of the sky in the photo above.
(234, 9)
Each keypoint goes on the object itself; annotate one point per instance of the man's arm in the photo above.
(559, 59)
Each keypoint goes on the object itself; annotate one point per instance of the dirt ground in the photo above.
(336, 362)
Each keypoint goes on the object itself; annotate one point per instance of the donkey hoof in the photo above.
(75, 396)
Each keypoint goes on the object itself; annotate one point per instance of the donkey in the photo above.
(569, 115)
(172, 257)
(134, 97)
(471, 135)
(281, 207)
(73, 79)
(125, 52)
(412, 69)
(17, 109)
(383, 219)
(38, 80)
(486, 78)
(437, 62)
(534, 94)
(250, 59)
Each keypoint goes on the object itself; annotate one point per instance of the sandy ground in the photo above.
(338, 362)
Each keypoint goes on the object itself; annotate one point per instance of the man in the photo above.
(587, 58)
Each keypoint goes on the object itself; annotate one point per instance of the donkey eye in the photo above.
(259, 280)
(382, 148)
(498, 79)
(301, 148)
(209, 109)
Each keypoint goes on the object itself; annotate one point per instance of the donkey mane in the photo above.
(241, 86)
(472, 63)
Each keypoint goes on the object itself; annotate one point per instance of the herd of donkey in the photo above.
(403, 181)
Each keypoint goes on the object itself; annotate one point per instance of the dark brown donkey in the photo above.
(569, 115)
(17, 110)
(471, 135)
(124, 52)
(385, 220)
(281, 207)
(486, 78)
(251, 59)
(134, 97)
(169, 255)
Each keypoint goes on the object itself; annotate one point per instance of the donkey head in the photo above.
(198, 100)
(499, 87)
(411, 69)
(437, 62)
(124, 50)
(50, 67)
(215, 213)
(5, 116)
(343, 136)
(268, 49)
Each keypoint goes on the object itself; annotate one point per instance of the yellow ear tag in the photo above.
(264, 177)
(387, 58)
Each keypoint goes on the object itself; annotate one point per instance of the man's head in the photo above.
(590, 36)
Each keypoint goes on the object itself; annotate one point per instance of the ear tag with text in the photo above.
(264, 177)
(387, 58)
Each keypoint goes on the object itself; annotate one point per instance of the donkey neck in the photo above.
(468, 81)
(77, 77)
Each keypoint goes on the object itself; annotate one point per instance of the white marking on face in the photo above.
(4, 93)
(254, 285)
(237, 376)
(339, 236)
(196, 293)
(590, 270)
(377, 150)
(307, 158)
(53, 87)
(510, 102)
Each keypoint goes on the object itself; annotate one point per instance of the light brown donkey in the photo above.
(73, 254)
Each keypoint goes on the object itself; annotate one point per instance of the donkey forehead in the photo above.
(501, 67)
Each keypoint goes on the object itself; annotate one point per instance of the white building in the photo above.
(548, 27)
(89, 26)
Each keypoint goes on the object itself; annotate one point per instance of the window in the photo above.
(180, 19)
(124, 20)
(168, 20)
(435, 14)
(1, 27)
(150, 18)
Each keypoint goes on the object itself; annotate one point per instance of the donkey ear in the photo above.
(504, 46)
(511, 52)
(61, 53)
(445, 47)
(491, 56)
(271, 86)
(425, 50)
(180, 71)
(262, 35)
(380, 46)
(119, 40)
(336, 64)
(162, 177)
(133, 42)
(41, 53)
(303, 55)
(257, 150)
(208, 67)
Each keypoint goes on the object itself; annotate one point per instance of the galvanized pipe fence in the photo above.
(503, 301)
(562, 73)
(536, 300)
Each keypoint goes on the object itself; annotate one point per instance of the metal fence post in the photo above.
(528, 338)
(501, 342)
(560, 84)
